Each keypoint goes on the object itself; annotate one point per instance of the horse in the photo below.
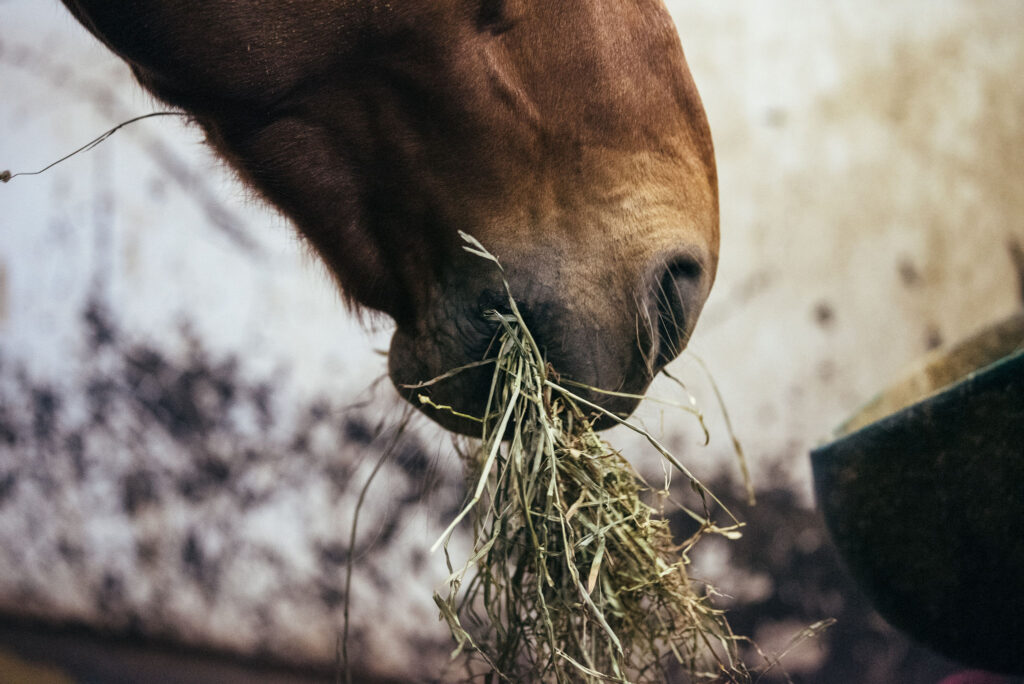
(567, 137)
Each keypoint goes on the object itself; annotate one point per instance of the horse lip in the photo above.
(448, 397)
(440, 371)
(476, 380)
(440, 364)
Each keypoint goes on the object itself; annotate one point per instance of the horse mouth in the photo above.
(458, 402)
(452, 386)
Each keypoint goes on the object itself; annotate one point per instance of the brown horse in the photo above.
(566, 135)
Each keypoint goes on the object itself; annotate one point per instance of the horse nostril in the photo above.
(677, 300)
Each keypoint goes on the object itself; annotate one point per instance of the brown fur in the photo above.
(567, 136)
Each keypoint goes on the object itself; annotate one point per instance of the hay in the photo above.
(6, 176)
(573, 576)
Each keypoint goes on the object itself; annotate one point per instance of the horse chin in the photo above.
(422, 372)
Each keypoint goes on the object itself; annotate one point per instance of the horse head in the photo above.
(567, 137)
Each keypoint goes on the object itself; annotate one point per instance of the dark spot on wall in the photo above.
(909, 275)
(208, 477)
(824, 314)
(147, 552)
(331, 596)
(100, 331)
(8, 428)
(412, 460)
(417, 560)
(45, 406)
(448, 513)
(100, 395)
(380, 582)
(333, 554)
(197, 565)
(932, 337)
(138, 489)
(340, 475)
(71, 551)
(1017, 258)
(248, 498)
(319, 411)
(110, 594)
(357, 430)
(216, 469)
(260, 397)
(74, 445)
(8, 483)
(191, 554)
(423, 488)
(385, 534)
(300, 442)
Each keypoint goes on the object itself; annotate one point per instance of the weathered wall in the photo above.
(870, 159)
(184, 427)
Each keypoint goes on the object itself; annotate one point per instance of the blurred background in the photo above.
(187, 412)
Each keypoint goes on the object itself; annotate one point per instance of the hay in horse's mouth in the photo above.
(573, 576)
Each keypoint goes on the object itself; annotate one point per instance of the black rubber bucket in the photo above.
(923, 495)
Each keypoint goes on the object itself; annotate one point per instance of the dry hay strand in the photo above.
(573, 576)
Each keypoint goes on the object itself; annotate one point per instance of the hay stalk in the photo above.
(573, 577)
